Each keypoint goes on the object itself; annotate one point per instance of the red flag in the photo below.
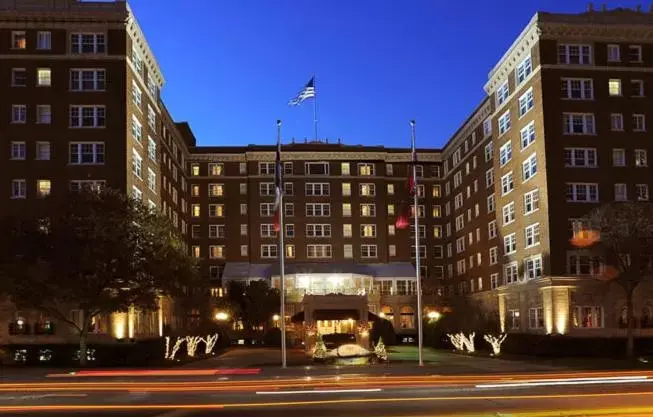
(277, 223)
(404, 215)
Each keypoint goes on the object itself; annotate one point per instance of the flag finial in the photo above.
(278, 122)
(412, 122)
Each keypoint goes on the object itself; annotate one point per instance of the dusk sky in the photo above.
(232, 65)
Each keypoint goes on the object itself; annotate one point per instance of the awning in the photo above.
(336, 315)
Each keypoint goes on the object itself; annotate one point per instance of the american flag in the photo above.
(278, 185)
(307, 92)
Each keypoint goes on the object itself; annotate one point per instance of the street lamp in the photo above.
(221, 316)
(275, 317)
(434, 315)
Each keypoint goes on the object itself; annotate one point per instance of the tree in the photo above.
(102, 252)
(621, 233)
(260, 304)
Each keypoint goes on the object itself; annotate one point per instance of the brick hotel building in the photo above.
(563, 128)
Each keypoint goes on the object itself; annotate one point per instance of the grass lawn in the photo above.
(409, 353)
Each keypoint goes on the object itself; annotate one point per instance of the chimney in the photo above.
(604, 7)
(590, 7)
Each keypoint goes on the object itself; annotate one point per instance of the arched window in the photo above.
(407, 318)
(387, 313)
(647, 317)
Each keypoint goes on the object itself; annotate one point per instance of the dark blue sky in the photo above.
(231, 65)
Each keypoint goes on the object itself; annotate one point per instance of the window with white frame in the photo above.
(587, 317)
(44, 40)
(616, 122)
(288, 210)
(437, 212)
(529, 167)
(511, 273)
(639, 123)
(43, 114)
(390, 189)
(368, 251)
(578, 123)
(510, 244)
(266, 209)
(582, 192)
(216, 169)
(531, 201)
(460, 268)
(90, 79)
(620, 192)
(216, 190)
(488, 152)
(489, 178)
(536, 318)
(18, 188)
(290, 230)
(42, 151)
(494, 281)
(367, 190)
(137, 95)
(316, 168)
(460, 222)
(87, 116)
(217, 231)
(614, 53)
(526, 102)
(18, 151)
(346, 209)
(503, 92)
(366, 169)
(151, 180)
(507, 183)
(492, 229)
(508, 212)
(524, 69)
(437, 232)
(505, 153)
(491, 206)
(346, 230)
(533, 267)
(318, 209)
(288, 168)
(574, 54)
(580, 157)
(151, 117)
(422, 251)
(137, 164)
(288, 189)
(243, 250)
(641, 191)
(494, 257)
(636, 88)
(348, 251)
(460, 245)
(266, 189)
(389, 170)
(635, 53)
(579, 263)
(317, 189)
(487, 127)
(243, 208)
(18, 113)
(577, 88)
(368, 210)
(267, 230)
(458, 201)
(504, 122)
(422, 231)
(346, 189)
(318, 251)
(527, 135)
(614, 87)
(266, 168)
(81, 153)
(618, 157)
(532, 235)
(269, 251)
(151, 149)
(318, 230)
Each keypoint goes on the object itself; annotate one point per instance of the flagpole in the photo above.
(417, 263)
(315, 107)
(282, 255)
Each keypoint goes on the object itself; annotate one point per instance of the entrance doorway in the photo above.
(336, 326)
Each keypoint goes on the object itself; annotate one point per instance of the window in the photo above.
(137, 194)
(574, 54)
(508, 212)
(318, 230)
(243, 229)
(487, 127)
(317, 189)
(636, 88)
(367, 190)
(533, 267)
(494, 281)
(392, 250)
(458, 201)
(368, 210)
(460, 222)
(346, 189)
(618, 158)
(216, 190)
(422, 252)
(436, 212)
(493, 256)
(243, 250)
(137, 95)
(42, 151)
(348, 251)
(269, 251)
(267, 230)
(389, 170)
(136, 60)
(288, 188)
(639, 123)
(582, 192)
(531, 201)
(18, 151)
(266, 189)
(18, 113)
(456, 157)
(242, 168)
(87, 116)
(616, 122)
(151, 117)
(526, 102)
(82, 153)
(137, 164)
(290, 230)
(507, 183)
(216, 170)
(492, 229)
(524, 69)
(391, 230)
(346, 230)
(587, 317)
(18, 39)
(614, 87)
(488, 152)
(390, 189)
(460, 245)
(87, 43)
(318, 251)
(77, 185)
(583, 264)
(151, 180)
(318, 209)
(365, 169)
(529, 167)
(532, 235)
(577, 88)
(504, 122)
(152, 87)
(196, 251)
(457, 179)
(614, 53)
(243, 209)
(509, 244)
(505, 155)
(460, 269)
(502, 93)
(217, 231)
(536, 318)
(316, 168)
(266, 168)
(216, 210)
(287, 168)
(641, 190)
(620, 192)
(368, 230)
(18, 77)
(266, 209)
(368, 251)
(527, 135)
(578, 123)
(18, 189)
(151, 149)
(438, 252)
(344, 168)
(194, 170)
(346, 209)
(490, 204)
(43, 40)
(511, 273)
(635, 53)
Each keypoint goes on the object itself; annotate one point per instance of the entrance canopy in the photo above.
(353, 314)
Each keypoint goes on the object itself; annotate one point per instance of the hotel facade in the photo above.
(563, 129)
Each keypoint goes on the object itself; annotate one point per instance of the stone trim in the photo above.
(308, 156)
(139, 41)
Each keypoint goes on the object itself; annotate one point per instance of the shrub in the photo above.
(383, 328)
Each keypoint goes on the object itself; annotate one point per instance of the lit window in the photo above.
(614, 87)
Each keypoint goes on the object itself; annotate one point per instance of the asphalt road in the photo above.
(544, 394)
